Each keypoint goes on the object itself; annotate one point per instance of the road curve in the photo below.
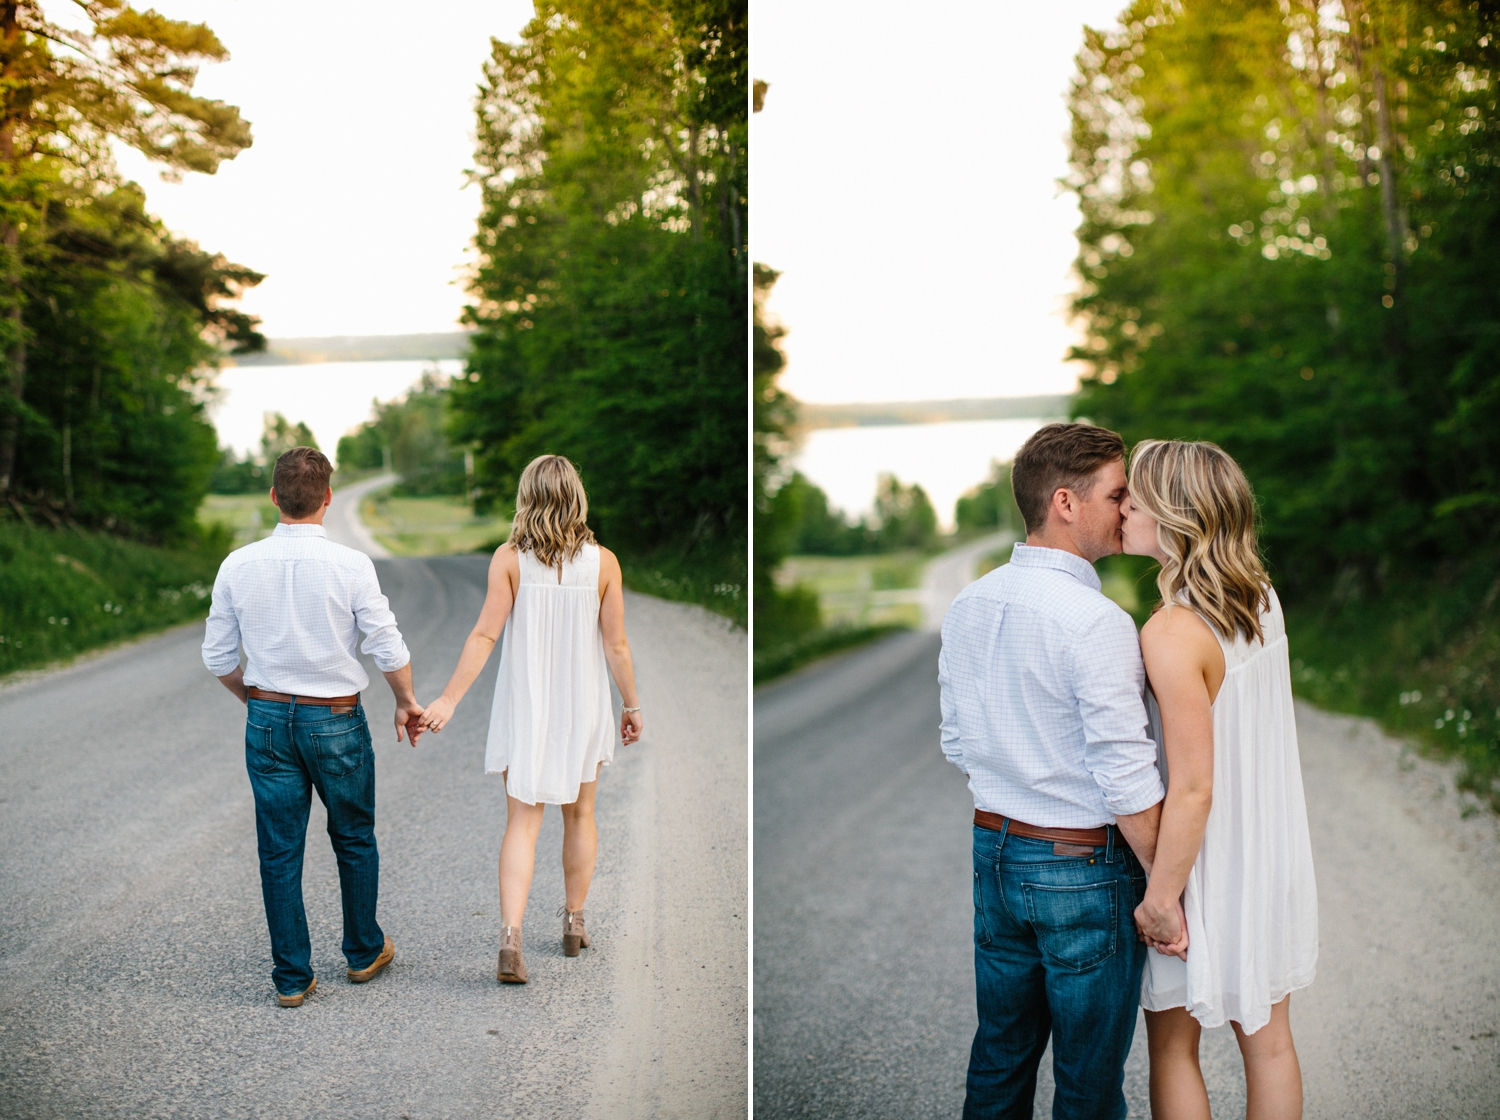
(863, 960)
(134, 961)
(343, 523)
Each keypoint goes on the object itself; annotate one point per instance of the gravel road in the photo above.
(863, 919)
(134, 960)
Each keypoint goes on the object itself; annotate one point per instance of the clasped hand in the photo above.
(1163, 926)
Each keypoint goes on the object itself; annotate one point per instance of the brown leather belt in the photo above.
(1091, 837)
(315, 701)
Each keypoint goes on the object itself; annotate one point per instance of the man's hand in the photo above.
(408, 711)
(235, 682)
(408, 719)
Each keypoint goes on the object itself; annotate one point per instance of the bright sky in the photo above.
(352, 198)
(903, 180)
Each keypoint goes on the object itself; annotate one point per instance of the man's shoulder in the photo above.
(281, 549)
(1051, 594)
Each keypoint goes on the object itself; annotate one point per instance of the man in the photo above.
(297, 601)
(1043, 710)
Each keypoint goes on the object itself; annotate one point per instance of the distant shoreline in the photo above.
(862, 415)
(358, 348)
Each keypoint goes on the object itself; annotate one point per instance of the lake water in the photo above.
(946, 459)
(330, 397)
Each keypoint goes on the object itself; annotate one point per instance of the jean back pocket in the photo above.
(1076, 926)
(342, 752)
(260, 749)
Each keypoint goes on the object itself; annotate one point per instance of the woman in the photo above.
(557, 595)
(1231, 904)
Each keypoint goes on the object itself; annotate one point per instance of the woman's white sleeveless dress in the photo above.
(552, 722)
(1251, 902)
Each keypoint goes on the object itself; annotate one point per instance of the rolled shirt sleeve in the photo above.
(221, 635)
(1109, 681)
(372, 613)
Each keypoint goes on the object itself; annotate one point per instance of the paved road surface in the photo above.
(134, 961)
(343, 523)
(863, 918)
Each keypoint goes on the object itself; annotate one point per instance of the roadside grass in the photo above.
(66, 591)
(780, 659)
(429, 526)
(839, 602)
(715, 579)
(1422, 659)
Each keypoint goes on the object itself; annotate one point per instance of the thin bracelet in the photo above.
(635, 709)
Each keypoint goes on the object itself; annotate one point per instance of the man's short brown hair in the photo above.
(301, 480)
(1060, 456)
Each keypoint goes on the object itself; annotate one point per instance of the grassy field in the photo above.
(246, 517)
(429, 526)
(860, 591)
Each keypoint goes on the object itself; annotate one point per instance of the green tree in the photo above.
(610, 307)
(412, 432)
(66, 92)
(990, 506)
(1286, 210)
(904, 516)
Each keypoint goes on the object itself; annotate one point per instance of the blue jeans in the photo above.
(1055, 953)
(290, 750)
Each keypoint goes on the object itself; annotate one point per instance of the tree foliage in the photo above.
(410, 434)
(1289, 218)
(610, 291)
(990, 506)
(106, 319)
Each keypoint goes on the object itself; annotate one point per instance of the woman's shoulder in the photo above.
(1175, 627)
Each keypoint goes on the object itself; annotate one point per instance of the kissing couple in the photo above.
(1140, 834)
(299, 602)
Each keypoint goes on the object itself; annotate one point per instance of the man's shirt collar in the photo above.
(304, 530)
(1036, 556)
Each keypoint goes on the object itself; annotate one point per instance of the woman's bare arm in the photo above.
(1185, 666)
(616, 645)
(505, 577)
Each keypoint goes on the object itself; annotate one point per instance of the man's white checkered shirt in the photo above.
(1043, 695)
(298, 602)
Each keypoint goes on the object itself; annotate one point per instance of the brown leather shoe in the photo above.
(296, 999)
(512, 967)
(575, 937)
(359, 976)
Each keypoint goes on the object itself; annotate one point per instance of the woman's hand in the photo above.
(438, 713)
(631, 725)
(1163, 926)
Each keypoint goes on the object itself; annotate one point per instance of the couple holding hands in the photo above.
(298, 603)
(1140, 834)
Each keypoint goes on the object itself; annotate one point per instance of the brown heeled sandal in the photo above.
(512, 967)
(575, 937)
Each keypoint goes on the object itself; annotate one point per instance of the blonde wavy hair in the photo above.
(1205, 516)
(551, 512)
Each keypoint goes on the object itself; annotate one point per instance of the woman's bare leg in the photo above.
(517, 858)
(1177, 1089)
(580, 844)
(1273, 1077)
